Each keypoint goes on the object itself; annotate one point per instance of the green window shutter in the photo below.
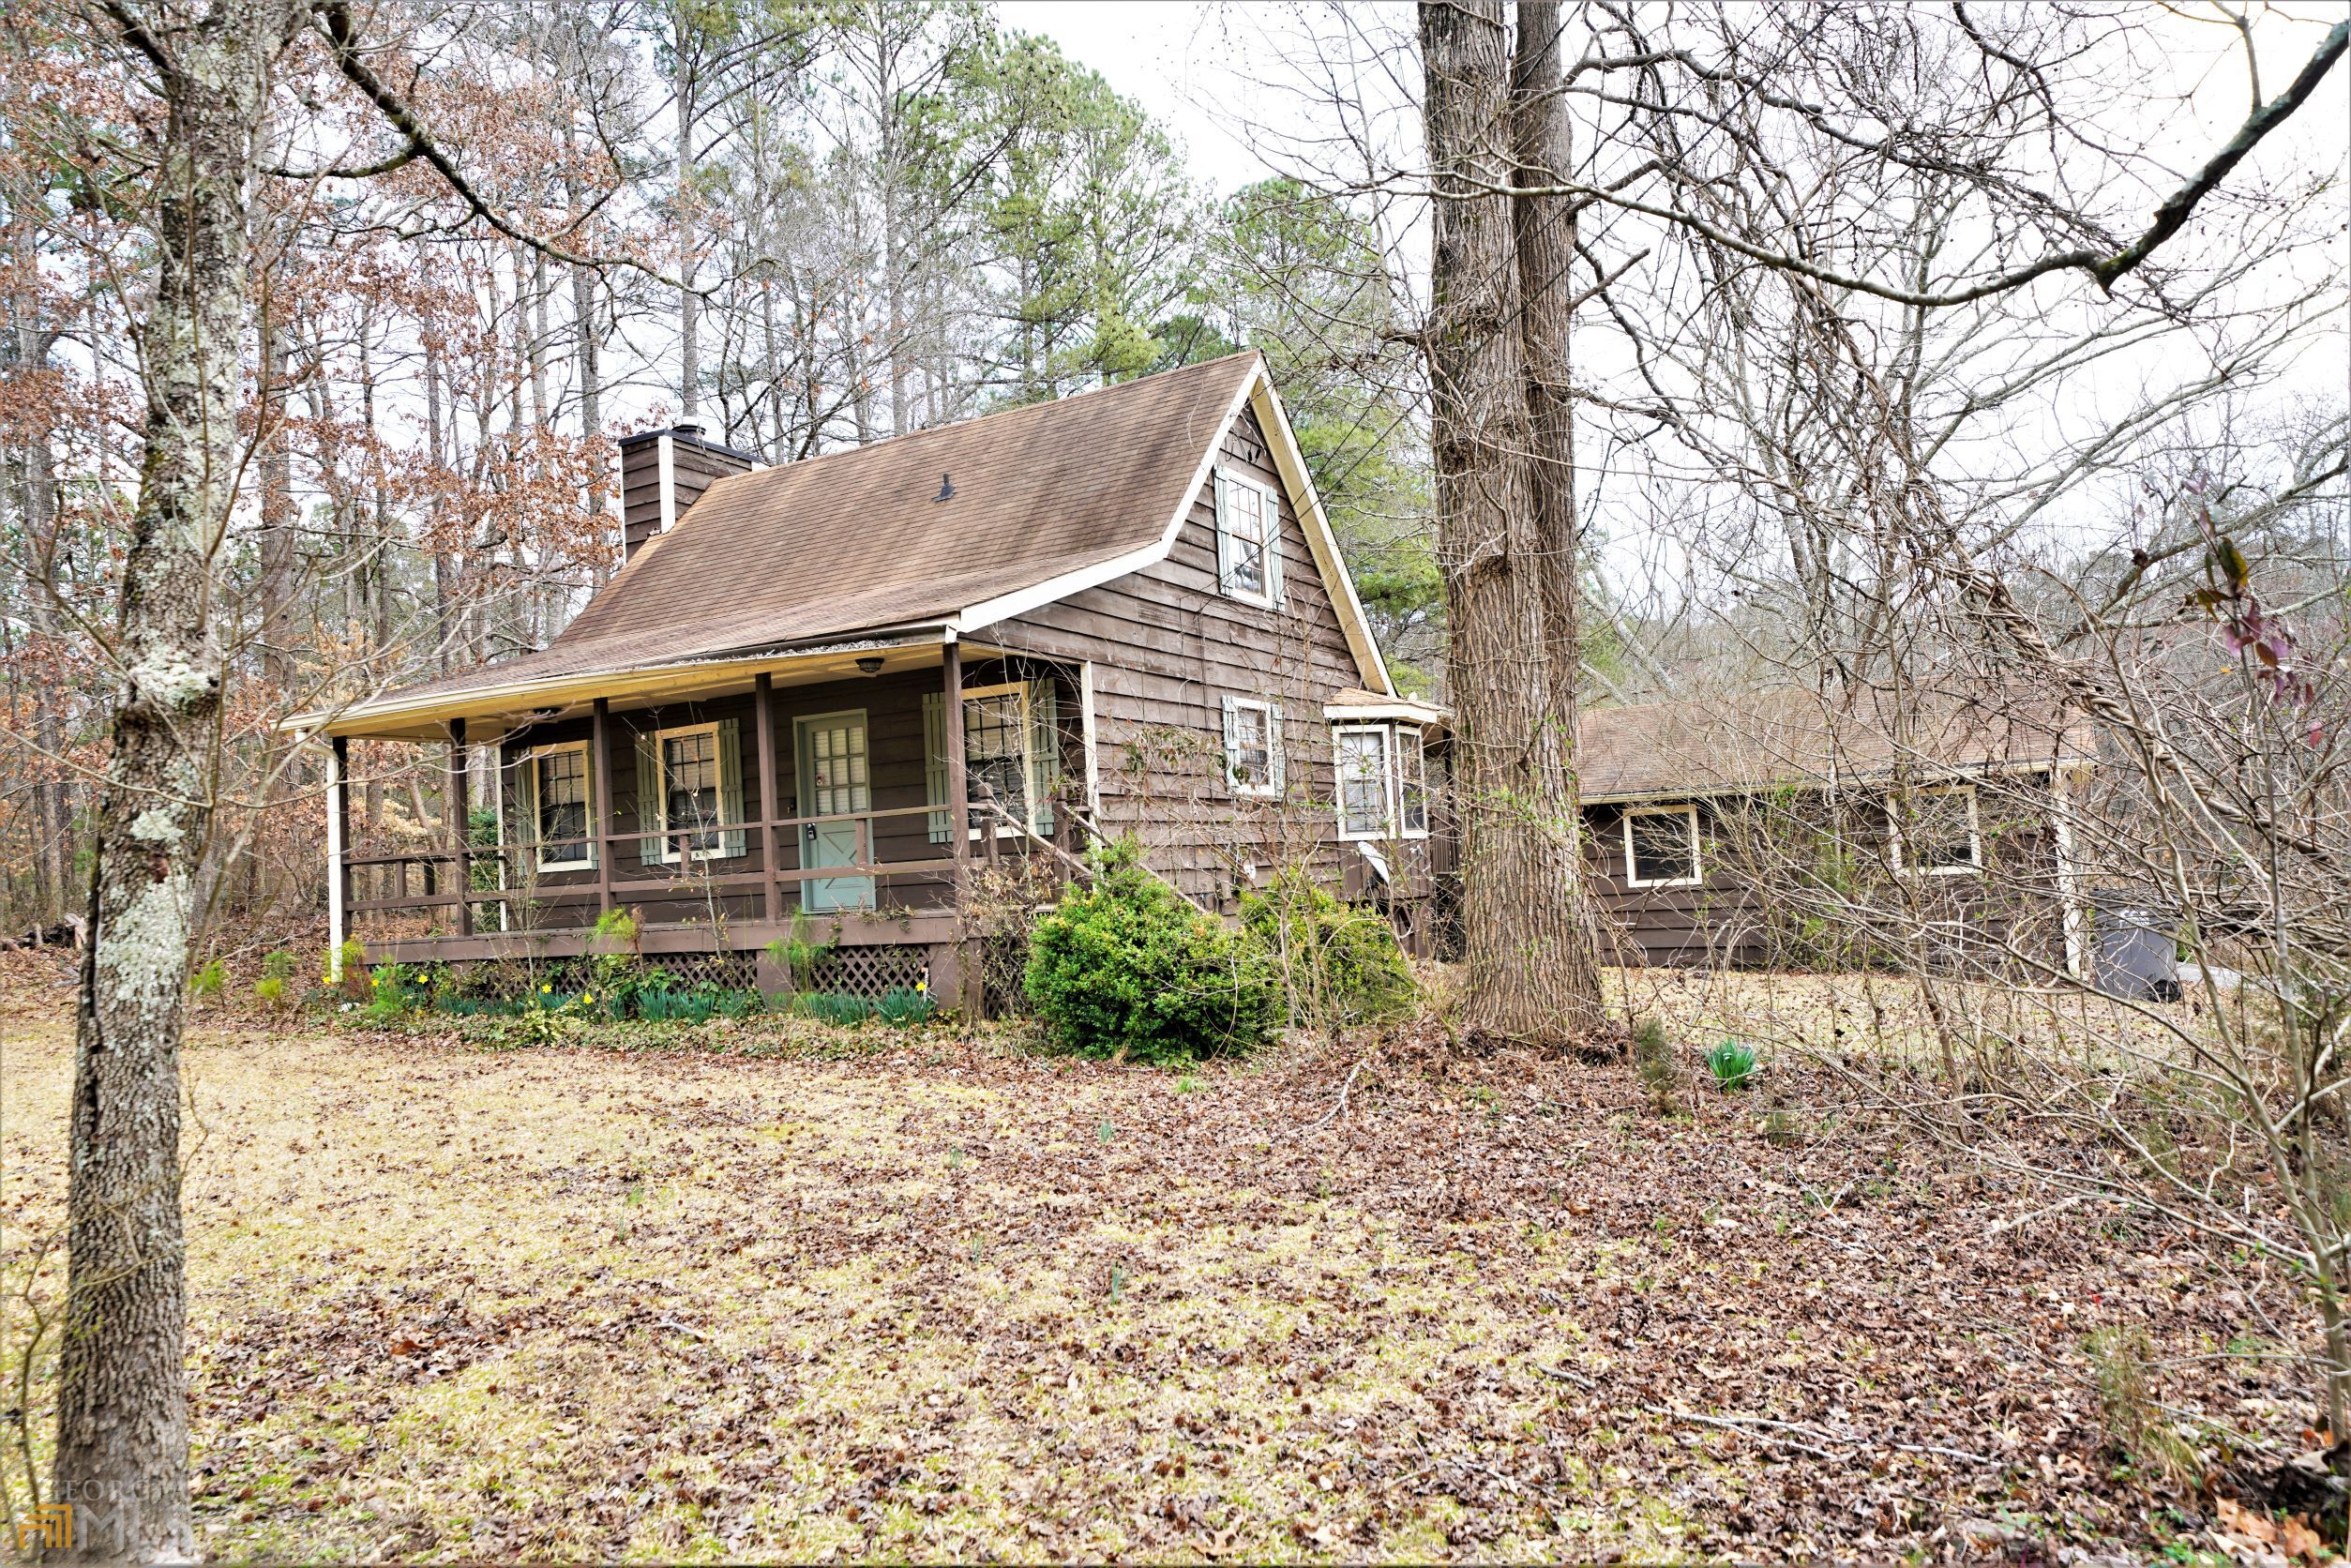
(1274, 588)
(731, 846)
(935, 763)
(1223, 533)
(1045, 754)
(526, 812)
(650, 848)
(1232, 746)
(1274, 745)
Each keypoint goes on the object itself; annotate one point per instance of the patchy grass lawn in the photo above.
(948, 1300)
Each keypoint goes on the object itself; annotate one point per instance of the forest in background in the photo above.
(804, 227)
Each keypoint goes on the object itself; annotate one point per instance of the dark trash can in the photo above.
(2138, 959)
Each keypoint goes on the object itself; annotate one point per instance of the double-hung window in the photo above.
(1011, 757)
(689, 791)
(1935, 831)
(1382, 781)
(1248, 539)
(1661, 847)
(1253, 746)
(550, 784)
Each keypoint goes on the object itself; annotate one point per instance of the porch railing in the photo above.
(447, 874)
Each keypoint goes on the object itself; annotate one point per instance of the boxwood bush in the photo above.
(1338, 964)
(1126, 968)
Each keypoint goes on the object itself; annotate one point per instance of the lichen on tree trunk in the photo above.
(1530, 973)
(121, 1413)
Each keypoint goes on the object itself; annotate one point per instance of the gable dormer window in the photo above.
(1248, 539)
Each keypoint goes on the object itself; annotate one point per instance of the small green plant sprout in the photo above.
(955, 1159)
(1733, 1064)
(278, 965)
(208, 981)
(1653, 1058)
(1187, 1084)
(1104, 1132)
(1118, 1280)
(270, 990)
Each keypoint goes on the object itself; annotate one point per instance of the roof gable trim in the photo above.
(1256, 390)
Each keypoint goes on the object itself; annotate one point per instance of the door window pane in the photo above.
(836, 769)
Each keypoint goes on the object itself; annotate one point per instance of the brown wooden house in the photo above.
(1781, 829)
(841, 686)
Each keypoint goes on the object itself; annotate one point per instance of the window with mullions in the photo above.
(1935, 831)
(560, 774)
(1382, 781)
(1011, 749)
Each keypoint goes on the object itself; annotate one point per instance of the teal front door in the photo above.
(835, 781)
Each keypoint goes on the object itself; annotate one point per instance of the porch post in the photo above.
(763, 702)
(959, 824)
(338, 852)
(461, 826)
(600, 799)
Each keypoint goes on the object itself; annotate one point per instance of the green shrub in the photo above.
(1126, 968)
(1338, 964)
(1733, 1064)
(612, 971)
(209, 980)
(387, 990)
(271, 990)
(278, 965)
(800, 954)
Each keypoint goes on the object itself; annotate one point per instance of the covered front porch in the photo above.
(850, 794)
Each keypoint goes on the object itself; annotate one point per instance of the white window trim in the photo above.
(1271, 787)
(1689, 812)
(1012, 688)
(1269, 569)
(661, 793)
(539, 803)
(1392, 743)
(1974, 868)
(1419, 741)
(1338, 781)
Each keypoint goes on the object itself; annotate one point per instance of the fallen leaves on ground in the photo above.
(955, 1302)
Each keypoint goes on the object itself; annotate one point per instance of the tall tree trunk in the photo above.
(1518, 869)
(1543, 138)
(690, 302)
(121, 1410)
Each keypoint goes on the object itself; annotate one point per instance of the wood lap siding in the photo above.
(1723, 920)
(1167, 647)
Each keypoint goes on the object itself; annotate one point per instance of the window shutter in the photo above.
(731, 846)
(1270, 503)
(935, 763)
(1232, 746)
(652, 850)
(526, 811)
(1274, 745)
(1045, 753)
(1225, 500)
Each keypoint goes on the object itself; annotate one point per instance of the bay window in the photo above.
(1382, 781)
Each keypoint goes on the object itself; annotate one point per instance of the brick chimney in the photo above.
(662, 473)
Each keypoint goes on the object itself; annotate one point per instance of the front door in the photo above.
(834, 782)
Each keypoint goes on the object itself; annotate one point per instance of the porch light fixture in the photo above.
(870, 664)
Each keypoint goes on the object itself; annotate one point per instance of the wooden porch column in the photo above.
(600, 818)
(763, 704)
(461, 826)
(338, 852)
(959, 826)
